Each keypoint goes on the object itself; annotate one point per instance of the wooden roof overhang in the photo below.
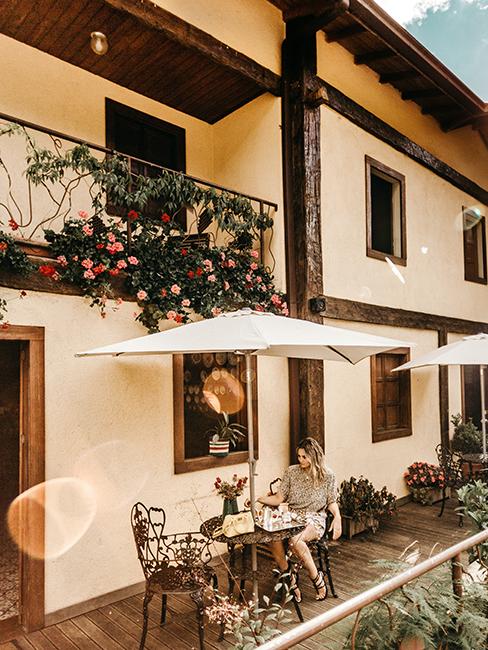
(151, 51)
(378, 41)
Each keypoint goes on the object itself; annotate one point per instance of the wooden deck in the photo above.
(117, 626)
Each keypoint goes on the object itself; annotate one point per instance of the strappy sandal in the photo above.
(319, 584)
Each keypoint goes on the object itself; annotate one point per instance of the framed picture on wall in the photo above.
(207, 385)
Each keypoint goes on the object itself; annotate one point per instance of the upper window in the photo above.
(149, 139)
(390, 396)
(205, 386)
(385, 211)
(471, 394)
(474, 246)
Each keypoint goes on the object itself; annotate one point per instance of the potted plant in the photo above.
(426, 482)
(362, 506)
(467, 437)
(223, 435)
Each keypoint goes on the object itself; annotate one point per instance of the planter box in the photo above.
(427, 496)
(350, 527)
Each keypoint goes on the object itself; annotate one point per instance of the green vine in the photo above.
(12, 260)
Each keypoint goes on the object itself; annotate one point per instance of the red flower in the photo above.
(132, 215)
(191, 274)
(184, 251)
(179, 318)
(48, 270)
(99, 246)
(3, 245)
(13, 224)
(114, 271)
(164, 293)
(199, 271)
(165, 218)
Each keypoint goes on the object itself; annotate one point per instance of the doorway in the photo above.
(22, 461)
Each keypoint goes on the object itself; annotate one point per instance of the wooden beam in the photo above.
(301, 178)
(402, 75)
(337, 35)
(371, 57)
(337, 101)
(309, 18)
(424, 93)
(196, 39)
(362, 312)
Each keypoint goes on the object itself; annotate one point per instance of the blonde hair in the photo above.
(317, 459)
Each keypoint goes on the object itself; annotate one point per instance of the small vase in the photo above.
(230, 507)
(219, 448)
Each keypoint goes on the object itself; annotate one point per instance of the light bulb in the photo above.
(98, 43)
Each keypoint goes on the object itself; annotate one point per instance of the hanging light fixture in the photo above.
(98, 43)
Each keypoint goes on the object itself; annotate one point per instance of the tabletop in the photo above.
(259, 536)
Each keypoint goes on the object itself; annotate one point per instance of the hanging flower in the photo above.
(175, 289)
(133, 260)
(165, 218)
(132, 215)
(141, 294)
(211, 278)
(88, 230)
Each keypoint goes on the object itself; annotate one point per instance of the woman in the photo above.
(310, 490)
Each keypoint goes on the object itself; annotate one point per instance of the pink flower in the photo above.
(208, 265)
(115, 247)
(185, 302)
(259, 308)
(275, 299)
(119, 301)
(253, 266)
(176, 290)
(87, 264)
(231, 264)
(87, 230)
(211, 278)
(262, 287)
(254, 254)
(285, 311)
(89, 275)
(62, 260)
(111, 237)
(133, 260)
(259, 279)
(226, 285)
(121, 264)
(216, 311)
(98, 269)
(141, 294)
(83, 214)
(114, 271)
(171, 315)
(222, 255)
(248, 277)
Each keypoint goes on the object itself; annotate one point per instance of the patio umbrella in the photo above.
(470, 351)
(251, 333)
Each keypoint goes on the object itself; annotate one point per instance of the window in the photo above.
(471, 393)
(390, 396)
(220, 375)
(385, 213)
(474, 246)
(148, 139)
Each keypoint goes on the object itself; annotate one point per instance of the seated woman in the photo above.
(310, 490)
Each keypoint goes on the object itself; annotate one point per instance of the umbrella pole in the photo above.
(252, 463)
(483, 411)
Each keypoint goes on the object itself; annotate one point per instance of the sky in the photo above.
(455, 31)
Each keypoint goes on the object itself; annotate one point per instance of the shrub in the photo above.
(359, 500)
(467, 438)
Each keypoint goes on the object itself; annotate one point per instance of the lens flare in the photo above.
(395, 270)
(117, 472)
(65, 507)
(365, 293)
(424, 250)
(223, 391)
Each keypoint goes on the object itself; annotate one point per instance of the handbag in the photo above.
(237, 524)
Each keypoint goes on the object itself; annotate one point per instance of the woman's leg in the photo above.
(279, 555)
(298, 545)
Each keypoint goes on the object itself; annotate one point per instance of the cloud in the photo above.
(408, 11)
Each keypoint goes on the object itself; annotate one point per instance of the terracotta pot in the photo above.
(219, 448)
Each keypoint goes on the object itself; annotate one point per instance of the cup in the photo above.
(283, 507)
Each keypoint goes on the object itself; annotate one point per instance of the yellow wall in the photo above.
(434, 280)
(463, 149)
(253, 27)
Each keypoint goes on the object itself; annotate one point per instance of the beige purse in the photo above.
(234, 525)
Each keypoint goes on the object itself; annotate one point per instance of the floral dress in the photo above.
(307, 500)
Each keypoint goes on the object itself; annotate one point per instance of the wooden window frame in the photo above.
(467, 277)
(182, 464)
(392, 434)
(401, 260)
(32, 462)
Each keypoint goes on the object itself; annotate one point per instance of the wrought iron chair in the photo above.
(319, 547)
(451, 464)
(172, 564)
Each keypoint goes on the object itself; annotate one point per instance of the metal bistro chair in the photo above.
(172, 564)
(451, 464)
(319, 547)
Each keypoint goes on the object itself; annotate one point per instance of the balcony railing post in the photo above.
(457, 575)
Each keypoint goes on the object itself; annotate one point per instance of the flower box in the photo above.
(352, 527)
(426, 496)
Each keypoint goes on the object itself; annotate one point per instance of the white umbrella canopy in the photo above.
(470, 351)
(249, 333)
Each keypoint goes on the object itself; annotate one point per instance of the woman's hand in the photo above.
(336, 527)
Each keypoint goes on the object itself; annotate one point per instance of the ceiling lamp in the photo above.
(98, 43)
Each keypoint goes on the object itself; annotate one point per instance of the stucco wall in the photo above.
(463, 149)
(434, 275)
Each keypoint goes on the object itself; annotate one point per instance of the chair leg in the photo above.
(443, 502)
(328, 572)
(164, 601)
(197, 598)
(460, 515)
(145, 615)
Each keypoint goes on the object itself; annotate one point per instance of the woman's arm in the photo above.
(272, 499)
(336, 525)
